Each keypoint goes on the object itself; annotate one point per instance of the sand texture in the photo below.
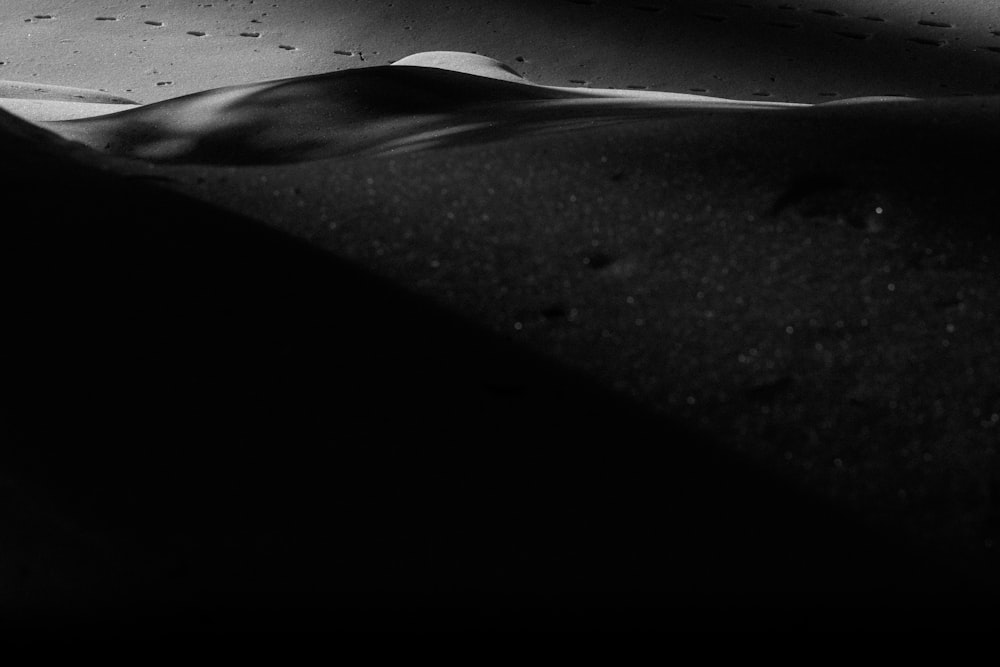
(343, 325)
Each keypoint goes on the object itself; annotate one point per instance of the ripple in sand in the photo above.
(106, 18)
(829, 12)
(158, 24)
(196, 33)
(249, 34)
(286, 47)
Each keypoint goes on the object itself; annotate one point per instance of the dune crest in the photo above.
(423, 101)
(469, 63)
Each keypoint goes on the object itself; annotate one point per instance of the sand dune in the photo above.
(425, 100)
(310, 324)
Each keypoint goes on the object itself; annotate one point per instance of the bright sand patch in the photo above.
(802, 51)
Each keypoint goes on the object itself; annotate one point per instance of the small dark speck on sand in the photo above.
(554, 312)
(598, 261)
(854, 35)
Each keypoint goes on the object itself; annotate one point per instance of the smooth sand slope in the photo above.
(45, 102)
(515, 383)
(447, 348)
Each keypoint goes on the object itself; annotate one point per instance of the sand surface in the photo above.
(788, 51)
(458, 341)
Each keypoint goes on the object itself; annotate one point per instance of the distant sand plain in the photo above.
(803, 50)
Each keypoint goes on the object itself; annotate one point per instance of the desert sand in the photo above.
(450, 315)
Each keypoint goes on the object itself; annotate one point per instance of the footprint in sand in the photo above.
(927, 42)
(861, 36)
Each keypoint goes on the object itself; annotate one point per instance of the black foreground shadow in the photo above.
(259, 436)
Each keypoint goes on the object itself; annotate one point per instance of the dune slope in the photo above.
(733, 368)
(425, 100)
(212, 425)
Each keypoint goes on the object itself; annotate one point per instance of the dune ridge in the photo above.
(425, 100)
